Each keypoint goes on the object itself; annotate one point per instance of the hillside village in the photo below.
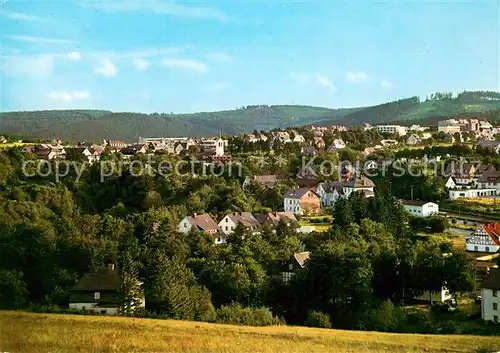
(296, 185)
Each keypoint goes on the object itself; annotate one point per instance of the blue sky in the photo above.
(162, 56)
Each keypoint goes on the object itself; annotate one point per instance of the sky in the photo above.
(181, 57)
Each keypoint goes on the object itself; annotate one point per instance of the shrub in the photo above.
(453, 221)
(439, 307)
(382, 316)
(326, 220)
(318, 319)
(235, 314)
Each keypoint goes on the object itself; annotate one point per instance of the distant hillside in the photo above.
(77, 125)
(434, 108)
(95, 125)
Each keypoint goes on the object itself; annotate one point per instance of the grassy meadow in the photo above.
(22, 332)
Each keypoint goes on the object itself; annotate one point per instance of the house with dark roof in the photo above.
(490, 296)
(203, 223)
(489, 180)
(490, 144)
(230, 221)
(268, 181)
(100, 291)
(419, 208)
(302, 201)
(273, 219)
(295, 264)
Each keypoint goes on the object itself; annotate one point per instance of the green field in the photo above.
(39, 333)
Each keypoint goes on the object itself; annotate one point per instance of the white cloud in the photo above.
(74, 55)
(160, 7)
(107, 68)
(23, 17)
(357, 76)
(385, 84)
(141, 64)
(323, 81)
(29, 66)
(304, 78)
(68, 96)
(39, 40)
(186, 64)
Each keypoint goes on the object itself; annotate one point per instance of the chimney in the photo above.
(111, 267)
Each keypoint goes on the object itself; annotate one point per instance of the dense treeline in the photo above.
(368, 264)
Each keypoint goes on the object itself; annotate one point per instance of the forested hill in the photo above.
(485, 104)
(78, 125)
(95, 125)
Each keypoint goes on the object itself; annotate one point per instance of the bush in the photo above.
(235, 314)
(441, 308)
(382, 316)
(448, 327)
(453, 221)
(318, 319)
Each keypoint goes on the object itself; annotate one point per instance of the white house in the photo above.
(392, 129)
(214, 145)
(413, 140)
(251, 138)
(472, 193)
(490, 180)
(299, 138)
(336, 145)
(490, 296)
(202, 222)
(486, 238)
(440, 296)
(421, 208)
(301, 201)
(231, 220)
(330, 193)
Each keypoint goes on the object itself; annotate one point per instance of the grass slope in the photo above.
(38, 333)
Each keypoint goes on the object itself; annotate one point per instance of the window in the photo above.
(495, 306)
(217, 240)
(494, 292)
(290, 266)
(495, 319)
(185, 224)
(475, 248)
(227, 228)
(487, 248)
(103, 311)
(97, 295)
(227, 220)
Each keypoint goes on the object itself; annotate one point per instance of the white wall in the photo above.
(441, 296)
(482, 248)
(184, 225)
(292, 205)
(227, 222)
(487, 300)
(90, 307)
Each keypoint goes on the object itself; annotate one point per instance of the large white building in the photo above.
(421, 208)
(392, 129)
(449, 126)
(472, 193)
(490, 296)
(215, 145)
(486, 238)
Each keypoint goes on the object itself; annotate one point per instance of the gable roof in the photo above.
(245, 218)
(298, 193)
(493, 230)
(276, 217)
(106, 279)
(415, 202)
(493, 176)
(302, 257)
(203, 222)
